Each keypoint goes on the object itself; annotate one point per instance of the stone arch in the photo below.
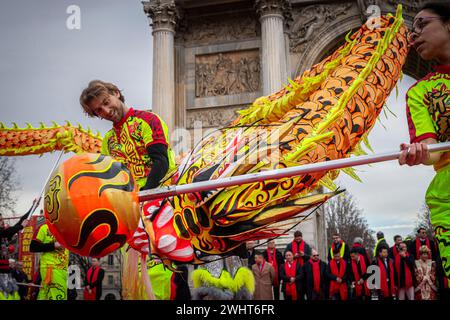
(330, 38)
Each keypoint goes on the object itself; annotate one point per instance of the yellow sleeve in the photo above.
(42, 234)
(105, 148)
(420, 123)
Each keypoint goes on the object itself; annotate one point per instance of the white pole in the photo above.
(45, 184)
(169, 191)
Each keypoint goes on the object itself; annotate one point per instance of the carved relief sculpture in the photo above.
(310, 20)
(211, 30)
(227, 73)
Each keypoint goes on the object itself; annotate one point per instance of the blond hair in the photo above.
(95, 89)
(424, 249)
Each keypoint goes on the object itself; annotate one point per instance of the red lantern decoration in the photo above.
(91, 204)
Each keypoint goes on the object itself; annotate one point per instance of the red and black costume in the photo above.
(94, 278)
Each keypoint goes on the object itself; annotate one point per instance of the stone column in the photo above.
(273, 51)
(164, 15)
(321, 230)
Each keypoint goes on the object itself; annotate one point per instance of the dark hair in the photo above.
(336, 234)
(335, 251)
(354, 250)
(397, 236)
(298, 234)
(381, 247)
(421, 228)
(259, 253)
(441, 9)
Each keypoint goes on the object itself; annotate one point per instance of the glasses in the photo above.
(315, 255)
(421, 23)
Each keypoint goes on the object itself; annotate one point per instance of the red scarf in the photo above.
(297, 248)
(316, 274)
(291, 288)
(394, 251)
(91, 279)
(272, 259)
(335, 287)
(383, 278)
(419, 244)
(408, 276)
(333, 248)
(359, 287)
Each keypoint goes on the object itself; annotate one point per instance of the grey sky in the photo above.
(44, 66)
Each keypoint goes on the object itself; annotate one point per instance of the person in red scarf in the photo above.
(314, 273)
(291, 274)
(93, 282)
(359, 247)
(275, 258)
(299, 248)
(422, 240)
(302, 252)
(337, 273)
(404, 273)
(264, 274)
(358, 276)
(386, 267)
(339, 245)
(393, 251)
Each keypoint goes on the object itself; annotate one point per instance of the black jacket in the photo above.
(298, 278)
(307, 252)
(405, 262)
(346, 256)
(412, 249)
(96, 284)
(309, 280)
(332, 277)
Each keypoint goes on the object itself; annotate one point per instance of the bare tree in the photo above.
(344, 217)
(8, 185)
(424, 221)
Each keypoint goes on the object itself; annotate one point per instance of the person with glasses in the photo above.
(422, 240)
(404, 273)
(428, 113)
(314, 273)
(341, 246)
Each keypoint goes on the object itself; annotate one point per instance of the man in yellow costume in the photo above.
(53, 265)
